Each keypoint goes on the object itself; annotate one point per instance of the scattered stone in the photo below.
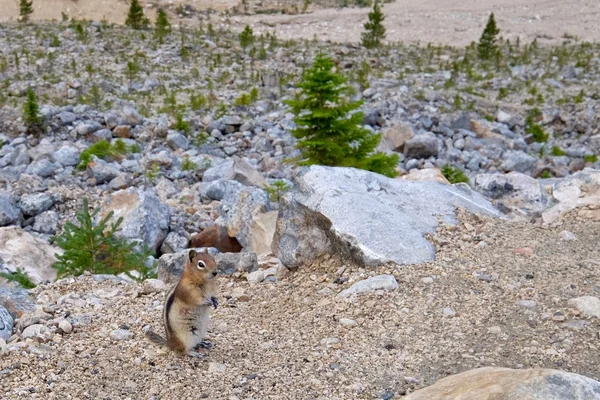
(6, 324)
(513, 193)
(380, 282)
(9, 213)
(153, 286)
(567, 236)
(121, 334)
(235, 169)
(65, 326)
(36, 203)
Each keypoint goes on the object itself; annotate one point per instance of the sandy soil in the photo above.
(483, 302)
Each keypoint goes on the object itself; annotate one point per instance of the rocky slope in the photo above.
(197, 137)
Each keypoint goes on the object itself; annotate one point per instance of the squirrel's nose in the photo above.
(214, 273)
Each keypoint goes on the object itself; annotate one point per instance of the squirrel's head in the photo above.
(201, 265)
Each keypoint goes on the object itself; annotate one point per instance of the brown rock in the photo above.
(483, 131)
(216, 236)
(122, 131)
(396, 136)
(525, 251)
(425, 175)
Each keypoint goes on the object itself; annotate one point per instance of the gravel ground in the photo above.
(496, 296)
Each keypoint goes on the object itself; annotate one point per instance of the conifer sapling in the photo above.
(163, 27)
(328, 126)
(25, 10)
(374, 29)
(136, 18)
(487, 43)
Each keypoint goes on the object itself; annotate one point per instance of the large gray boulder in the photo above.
(422, 146)
(490, 383)
(145, 218)
(9, 213)
(366, 217)
(20, 251)
(515, 193)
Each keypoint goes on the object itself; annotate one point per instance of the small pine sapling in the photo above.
(487, 43)
(374, 29)
(136, 18)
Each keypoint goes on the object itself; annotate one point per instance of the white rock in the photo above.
(36, 331)
(588, 305)
(347, 322)
(65, 326)
(567, 236)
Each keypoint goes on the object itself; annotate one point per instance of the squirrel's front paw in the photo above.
(214, 301)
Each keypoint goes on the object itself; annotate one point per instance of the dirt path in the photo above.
(480, 304)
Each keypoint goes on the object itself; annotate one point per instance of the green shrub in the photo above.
(243, 100)
(136, 18)
(19, 277)
(536, 130)
(31, 110)
(181, 125)
(276, 190)
(96, 248)
(104, 150)
(198, 102)
(591, 158)
(188, 165)
(55, 42)
(152, 173)
(374, 30)
(454, 175)
(246, 37)
(546, 175)
(327, 128)
(557, 151)
(200, 139)
(163, 27)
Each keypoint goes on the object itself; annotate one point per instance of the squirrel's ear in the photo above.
(191, 255)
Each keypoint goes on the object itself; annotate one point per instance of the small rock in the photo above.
(65, 326)
(449, 312)
(36, 203)
(494, 330)
(121, 334)
(526, 303)
(36, 331)
(153, 286)
(214, 367)
(6, 324)
(256, 276)
(567, 236)
(347, 322)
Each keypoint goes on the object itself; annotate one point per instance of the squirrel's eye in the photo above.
(201, 265)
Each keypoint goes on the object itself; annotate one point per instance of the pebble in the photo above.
(153, 286)
(65, 326)
(567, 236)
(214, 367)
(121, 334)
(347, 322)
(449, 312)
(526, 303)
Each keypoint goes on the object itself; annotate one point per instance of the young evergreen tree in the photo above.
(25, 9)
(328, 129)
(163, 27)
(246, 37)
(31, 110)
(374, 29)
(136, 18)
(487, 43)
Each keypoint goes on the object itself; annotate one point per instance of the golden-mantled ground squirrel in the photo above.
(188, 305)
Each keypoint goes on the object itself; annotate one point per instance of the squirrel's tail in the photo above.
(155, 337)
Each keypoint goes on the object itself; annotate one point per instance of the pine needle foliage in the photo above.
(25, 9)
(31, 109)
(246, 37)
(328, 126)
(487, 47)
(136, 18)
(163, 27)
(96, 248)
(374, 29)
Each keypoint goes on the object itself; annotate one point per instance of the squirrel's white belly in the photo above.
(190, 324)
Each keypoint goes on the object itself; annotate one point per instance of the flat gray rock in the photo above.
(379, 282)
(366, 217)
